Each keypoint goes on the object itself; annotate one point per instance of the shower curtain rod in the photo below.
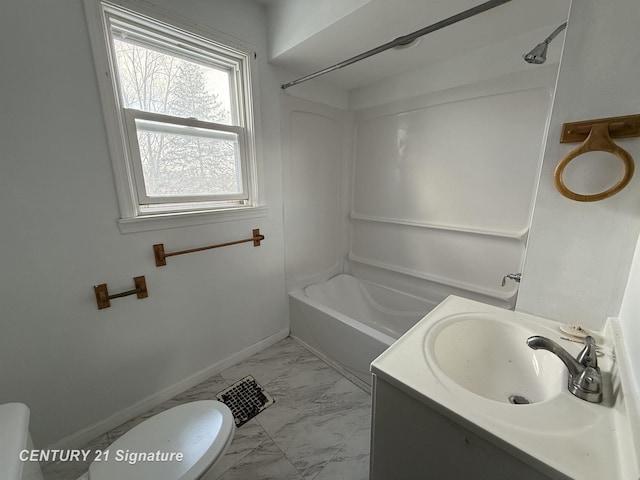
(404, 40)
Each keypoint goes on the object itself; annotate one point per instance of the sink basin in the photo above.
(464, 360)
(488, 356)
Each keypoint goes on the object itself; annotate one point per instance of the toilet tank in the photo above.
(14, 437)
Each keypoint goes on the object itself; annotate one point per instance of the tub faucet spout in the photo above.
(516, 277)
(585, 379)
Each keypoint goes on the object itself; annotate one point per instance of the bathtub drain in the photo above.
(518, 400)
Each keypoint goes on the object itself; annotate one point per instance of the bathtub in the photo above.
(348, 322)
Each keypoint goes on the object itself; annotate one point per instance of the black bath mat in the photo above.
(246, 398)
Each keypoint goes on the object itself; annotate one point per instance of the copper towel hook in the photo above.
(597, 140)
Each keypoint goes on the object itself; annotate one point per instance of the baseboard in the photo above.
(80, 438)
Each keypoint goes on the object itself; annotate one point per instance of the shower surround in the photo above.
(429, 197)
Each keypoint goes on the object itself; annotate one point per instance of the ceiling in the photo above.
(308, 35)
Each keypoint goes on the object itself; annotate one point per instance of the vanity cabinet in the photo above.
(412, 440)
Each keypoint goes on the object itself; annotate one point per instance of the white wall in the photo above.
(72, 364)
(630, 319)
(315, 91)
(290, 22)
(578, 258)
(316, 147)
(444, 185)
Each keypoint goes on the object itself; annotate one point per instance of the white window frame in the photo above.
(139, 211)
(171, 124)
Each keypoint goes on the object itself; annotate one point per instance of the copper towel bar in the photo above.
(102, 292)
(160, 255)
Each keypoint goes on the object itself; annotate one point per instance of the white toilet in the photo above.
(15, 438)
(182, 443)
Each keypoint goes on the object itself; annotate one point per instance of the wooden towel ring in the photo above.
(597, 141)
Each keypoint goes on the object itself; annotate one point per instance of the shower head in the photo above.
(539, 53)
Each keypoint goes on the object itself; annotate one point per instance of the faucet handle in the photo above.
(587, 356)
(588, 385)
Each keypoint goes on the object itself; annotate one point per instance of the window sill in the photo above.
(176, 220)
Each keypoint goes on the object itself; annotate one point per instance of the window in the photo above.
(179, 110)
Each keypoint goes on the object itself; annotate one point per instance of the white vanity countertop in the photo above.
(562, 436)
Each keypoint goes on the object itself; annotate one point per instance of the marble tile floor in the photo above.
(318, 428)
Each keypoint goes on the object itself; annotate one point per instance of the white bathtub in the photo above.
(349, 322)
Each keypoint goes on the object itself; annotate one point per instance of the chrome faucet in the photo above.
(585, 379)
(512, 276)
